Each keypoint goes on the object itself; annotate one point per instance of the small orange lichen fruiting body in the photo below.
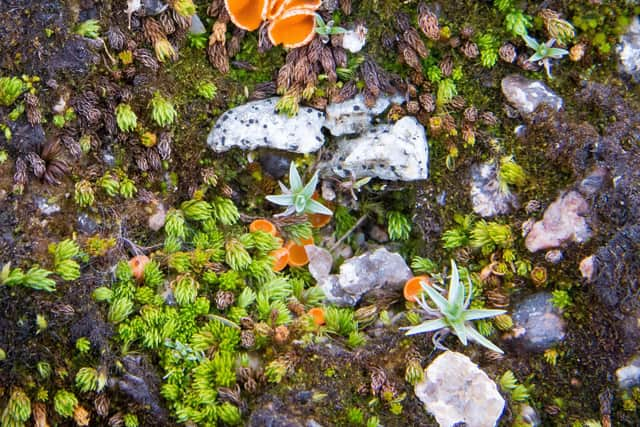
(413, 287)
(263, 225)
(317, 314)
(280, 258)
(297, 253)
(246, 14)
(291, 22)
(137, 264)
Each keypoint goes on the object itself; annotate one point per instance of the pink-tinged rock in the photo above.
(586, 268)
(563, 221)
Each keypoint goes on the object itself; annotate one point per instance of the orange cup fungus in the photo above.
(297, 254)
(290, 22)
(317, 314)
(280, 258)
(137, 264)
(319, 220)
(263, 225)
(413, 287)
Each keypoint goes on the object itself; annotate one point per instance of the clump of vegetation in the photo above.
(453, 312)
(89, 28)
(162, 111)
(126, 118)
(298, 199)
(10, 89)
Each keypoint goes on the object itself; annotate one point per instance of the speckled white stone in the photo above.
(397, 152)
(257, 124)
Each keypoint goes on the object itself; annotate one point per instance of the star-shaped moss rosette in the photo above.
(298, 198)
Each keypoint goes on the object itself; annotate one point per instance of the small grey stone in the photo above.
(538, 324)
(45, 206)
(86, 225)
(197, 27)
(456, 391)
(629, 50)
(563, 221)
(526, 95)
(257, 124)
(320, 262)
(487, 198)
(154, 7)
(364, 273)
(275, 164)
(629, 375)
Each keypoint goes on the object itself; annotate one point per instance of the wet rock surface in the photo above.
(538, 325)
(397, 152)
(257, 124)
(526, 95)
(456, 391)
(487, 197)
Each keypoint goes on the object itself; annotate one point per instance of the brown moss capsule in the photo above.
(428, 22)
(428, 102)
(470, 114)
(224, 299)
(345, 5)
(217, 53)
(412, 38)
(467, 32)
(457, 102)
(508, 53)
(413, 107)
(446, 66)
(166, 22)
(470, 50)
(146, 58)
(370, 77)
(409, 56)
(32, 106)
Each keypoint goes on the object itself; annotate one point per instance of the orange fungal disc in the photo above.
(263, 225)
(294, 28)
(246, 14)
(280, 258)
(413, 287)
(317, 313)
(274, 9)
(319, 220)
(137, 264)
(302, 4)
(297, 254)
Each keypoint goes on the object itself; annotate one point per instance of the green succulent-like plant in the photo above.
(162, 111)
(89, 28)
(126, 118)
(298, 199)
(453, 312)
(545, 52)
(10, 89)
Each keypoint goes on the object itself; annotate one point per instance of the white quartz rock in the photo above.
(456, 391)
(397, 152)
(257, 124)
